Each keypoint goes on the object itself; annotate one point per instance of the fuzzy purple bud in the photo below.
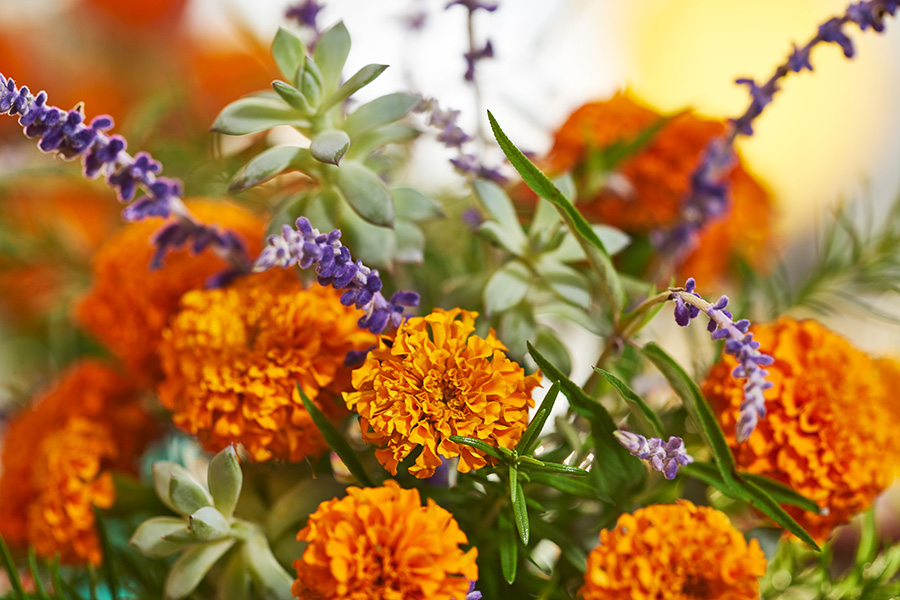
(664, 457)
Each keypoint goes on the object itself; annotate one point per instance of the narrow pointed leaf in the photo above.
(529, 439)
(38, 579)
(109, 557)
(520, 511)
(767, 505)
(336, 441)
(477, 444)
(636, 401)
(532, 464)
(360, 79)
(509, 548)
(697, 407)
(192, 566)
(782, 493)
(569, 485)
(12, 573)
(331, 53)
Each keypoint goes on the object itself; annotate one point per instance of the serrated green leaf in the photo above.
(618, 472)
(268, 165)
(520, 511)
(636, 401)
(594, 249)
(289, 53)
(225, 480)
(410, 243)
(477, 444)
(506, 287)
(380, 111)
(509, 548)
(329, 146)
(331, 53)
(412, 205)
(336, 441)
(506, 239)
(150, 537)
(529, 440)
(366, 193)
(359, 80)
(782, 493)
(767, 505)
(568, 485)
(697, 407)
(292, 96)
(192, 566)
(256, 113)
(567, 283)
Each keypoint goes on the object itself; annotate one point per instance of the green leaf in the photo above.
(329, 146)
(254, 114)
(413, 205)
(709, 474)
(11, 571)
(192, 566)
(697, 407)
(477, 444)
(336, 441)
(532, 464)
(499, 206)
(782, 493)
(225, 480)
(549, 344)
(570, 250)
(292, 96)
(109, 557)
(516, 328)
(506, 287)
(208, 524)
(513, 482)
(360, 79)
(234, 580)
(268, 165)
(186, 494)
(503, 237)
(619, 472)
(636, 401)
(163, 474)
(529, 440)
(366, 193)
(331, 53)
(410, 243)
(568, 485)
(270, 578)
(289, 53)
(543, 187)
(567, 283)
(377, 244)
(380, 111)
(767, 505)
(394, 133)
(520, 511)
(509, 548)
(39, 583)
(149, 538)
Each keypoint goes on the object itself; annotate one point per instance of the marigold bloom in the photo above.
(434, 380)
(674, 551)
(826, 425)
(129, 305)
(382, 543)
(56, 460)
(658, 180)
(232, 359)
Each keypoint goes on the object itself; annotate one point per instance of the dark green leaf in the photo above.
(254, 114)
(38, 579)
(11, 570)
(513, 483)
(336, 441)
(267, 165)
(576, 487)
(632, 398)
(509, 548)
(520, 511)
(767, 505)
(709, 474)
(331, 53)
(782, 493)
(360, 79)
(289, 52)
(109, 556)
(380, 111)
(533, 464)
(529, 439)
(697, 407)
(618, 471)
(477, 444)
(543, 187)
(549, 344)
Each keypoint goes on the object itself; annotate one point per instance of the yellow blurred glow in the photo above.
(825, 133)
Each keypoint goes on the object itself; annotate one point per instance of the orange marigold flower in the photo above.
(658, 179)
(56, 460)
(434, 380)
(674, 551)
(382, 543)
(129, 305)
(825, 431)
(233, 357)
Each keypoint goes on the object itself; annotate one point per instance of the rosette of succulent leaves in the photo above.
(344, 161)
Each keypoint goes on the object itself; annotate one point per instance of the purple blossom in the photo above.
(664, 457)
(473, 5)
(468, 164)
(305, 247)
(739, 343)
(305, 13)
(473, 56)
(66, 134)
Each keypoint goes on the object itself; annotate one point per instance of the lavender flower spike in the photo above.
(305, 247)
(66, 134)
(664, 457)
(738, 343)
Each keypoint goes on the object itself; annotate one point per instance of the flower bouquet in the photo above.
(295, 374)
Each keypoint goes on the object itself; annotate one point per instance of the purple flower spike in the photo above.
(305, 247)
(738, 343)
(664, 457)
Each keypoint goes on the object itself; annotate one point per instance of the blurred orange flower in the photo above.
(434, 380)
(232, 359)
(674, 551)
(382, 543)
(826, 432)
(129, 305)
(57, 456)
(651, 184)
